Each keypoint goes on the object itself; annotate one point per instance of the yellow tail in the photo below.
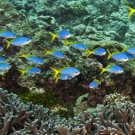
(109, 54)
(124, 49)
(102, 70)
(22, 72)
(68, 43)
(56, 72)
(8, 43)
(53, 36)
(22, 55)
(46, 52)
(88, 53)
(131, 10)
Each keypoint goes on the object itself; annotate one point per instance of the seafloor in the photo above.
(36, 104)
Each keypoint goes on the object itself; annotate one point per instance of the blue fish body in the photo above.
(130, 56)
(7, 34)
(115, 69)
(70, 71)
(1, 48)
(34, 59)
(33, 70)
(64, 77)
(79, 46)
(20, 41)
(99, 51)
(4, 66)
(131, 50)
(120, 57)
(64, 34)
(2, 60)
(94, 84)
(57, 54)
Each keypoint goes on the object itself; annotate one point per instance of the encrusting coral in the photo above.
(18, 118)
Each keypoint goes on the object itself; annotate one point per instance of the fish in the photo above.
(63, 34)
(62, 77)
(7, 34)
(118, 56)
(1, 48)
(130, 56)
(131, 10)
(19, 41)
(112, 68)
(4, 66)
(94, 84)
(130, 50)
(54, 53)
(70, 71)
(98, 51)
(32, 58)
(2, 60)
(30, 70)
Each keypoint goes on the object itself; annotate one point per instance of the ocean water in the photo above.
(64, 58)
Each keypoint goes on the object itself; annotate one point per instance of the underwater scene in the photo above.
(67, 67)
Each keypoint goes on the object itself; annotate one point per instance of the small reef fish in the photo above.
(131, 10)
(56, 54)
(63, 77)
(130, 56)
(7, 34)
(32, 58)
(2, 60)
(70, 71)
(4, 66)
(118, 56)
(19, 41)
(98, 51)
(63, 34)
(76, 45)
(30, 70)
(130, 50)
(112, 69)
(94, 84)
(1, 48)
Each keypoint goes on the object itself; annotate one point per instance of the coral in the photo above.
(116, 99)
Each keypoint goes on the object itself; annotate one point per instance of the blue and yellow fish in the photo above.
(94, 84)
(63, 77)
(7, 34)
(112, 68)
(32, 58)
(30, 70)
(54, 53)
(19, 41)
(70, 71)
(130, 50)
(4, 66)
(63, 34)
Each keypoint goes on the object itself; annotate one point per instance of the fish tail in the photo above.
(109, 54)
(22, 55)
(67, 64)
(46, 52)
(53, 36)
(124, 49)
(102, 70)
(56, 79)
(8, 43)
(56, 72)
(88, 53)
(131, 10)
(22, 72)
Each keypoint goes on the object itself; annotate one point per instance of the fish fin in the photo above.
(22, 55)
(99, 81)
(67, 64)
(22, 72)
(56, 72)
(88, 53)
(8, 43)
(131, 10)
(46, 52)
(109, 54)
(68, 43)
(53, 36)
(102, 70)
